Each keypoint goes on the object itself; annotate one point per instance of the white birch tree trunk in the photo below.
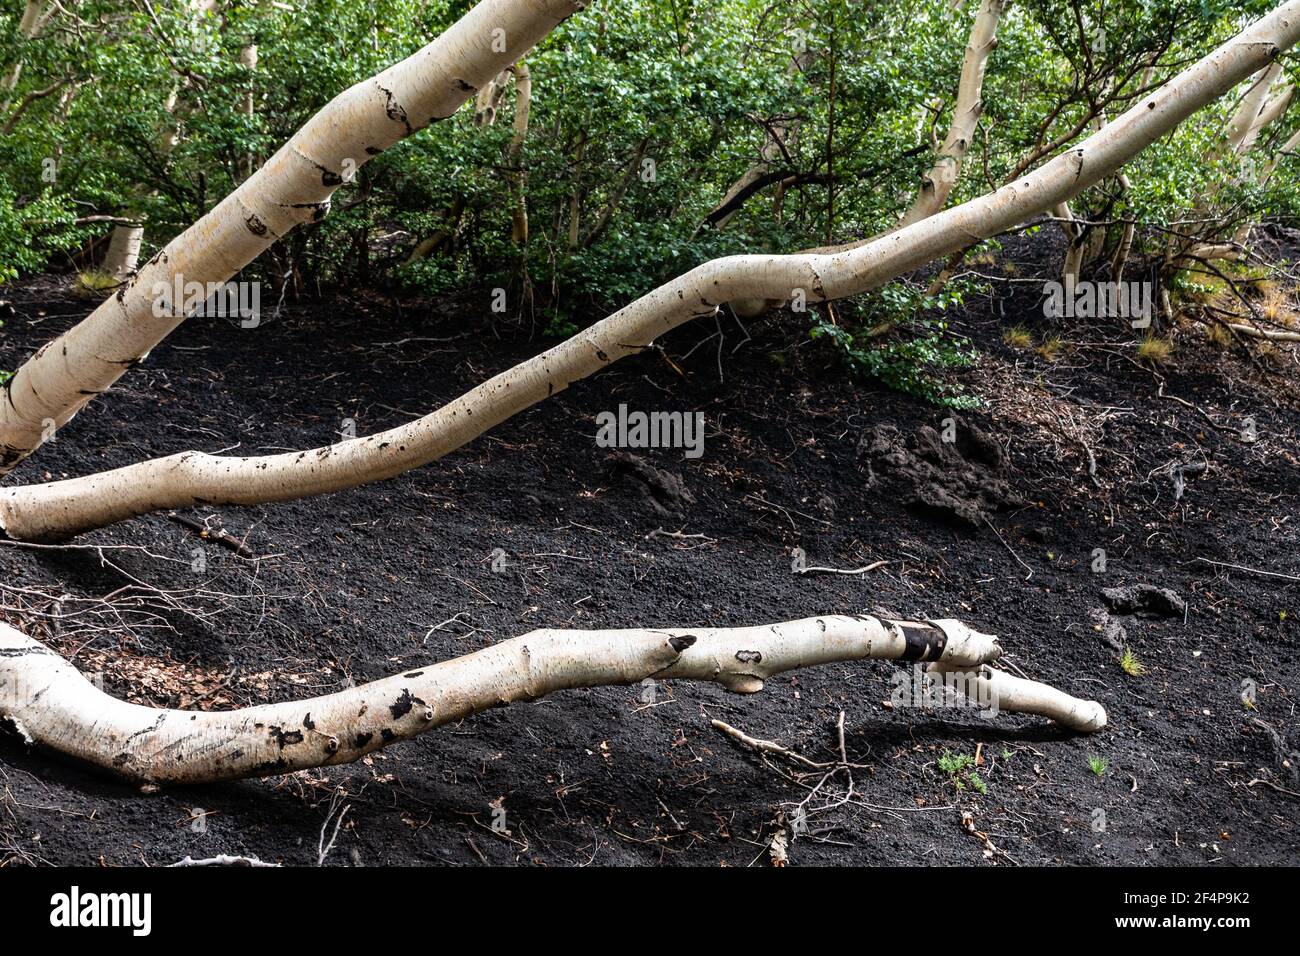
(937, 184)
(48, 701)
(123, 253)
(35, 15)
(293, 187)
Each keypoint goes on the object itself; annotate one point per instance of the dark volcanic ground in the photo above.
(380, 579)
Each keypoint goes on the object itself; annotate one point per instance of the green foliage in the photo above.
(128, 108)
(33, 231)
(961, 773)
(901, 343)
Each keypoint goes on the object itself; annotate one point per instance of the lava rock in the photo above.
(1145, 599)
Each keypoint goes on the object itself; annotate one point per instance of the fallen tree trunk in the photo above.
(293, 187)
(51, 705)
(1272, 335)
(63, 508)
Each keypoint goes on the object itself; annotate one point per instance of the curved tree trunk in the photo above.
(53, 706)
(63, 508)
(293, 187)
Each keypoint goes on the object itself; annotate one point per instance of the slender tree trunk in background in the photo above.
(293, 187)
(123, 253)
(625, 183)
(518, 178)
(248, 59)
(937, 184)
(515, 155)
(63, 508)
(488, 101)
(1074, 240)
(35, 16)
(1125, 244)
(432, 243)
(575, 193)
(53, 706)
(942, 177)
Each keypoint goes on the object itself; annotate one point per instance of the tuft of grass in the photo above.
(1130, 665)
(1018, 337)
(1276, 307)
(97, 282)
(1050, 348)
(1154, 349)
(1098, 765)
(1217, 335)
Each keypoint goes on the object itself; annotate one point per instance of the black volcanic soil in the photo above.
(380, 579)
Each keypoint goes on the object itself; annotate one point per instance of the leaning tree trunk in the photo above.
(63, 508)
(293, 187)
(1251, 116)
(1244, 125)
(53, 706)
(937, 184)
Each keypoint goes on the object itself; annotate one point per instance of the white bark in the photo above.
(1017, 695)
(515, 154)
(1272, 335)
(1245, 123)
(293, 187)
(48, 701)
(123, 253)
(35, 15)
(64, 508)
(1074, 241)
(938, 183)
